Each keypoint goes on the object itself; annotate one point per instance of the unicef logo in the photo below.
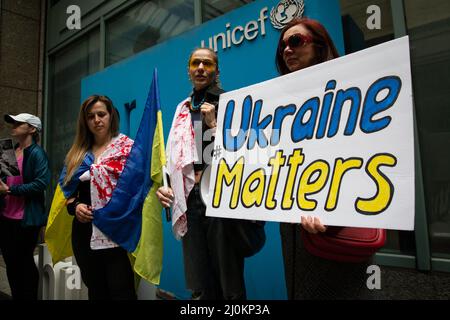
(285, 11)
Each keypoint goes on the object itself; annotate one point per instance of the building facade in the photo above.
(22, 49)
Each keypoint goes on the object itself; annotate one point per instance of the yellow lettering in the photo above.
(295, 160)
(340, 167)
(254, 196)
(275, 162)
(230, 176)
(306, 187)
(385, 188)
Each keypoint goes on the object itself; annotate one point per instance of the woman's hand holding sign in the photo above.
(312, 224)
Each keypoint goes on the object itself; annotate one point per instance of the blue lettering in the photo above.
(325, 113)
(256, 132)
(235, 143)
(372, 106)
(301, 130)
(280, 113)
(354, 95)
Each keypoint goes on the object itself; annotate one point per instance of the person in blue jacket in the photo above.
(22, 207)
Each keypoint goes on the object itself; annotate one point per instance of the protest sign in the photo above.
(334, 141)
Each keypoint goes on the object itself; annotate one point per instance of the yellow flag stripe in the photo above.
(148, 264)
(58, 232)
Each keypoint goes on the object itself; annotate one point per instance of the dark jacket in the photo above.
(210, 95)
(36, 177)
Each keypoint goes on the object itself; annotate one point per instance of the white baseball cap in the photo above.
(26, 118)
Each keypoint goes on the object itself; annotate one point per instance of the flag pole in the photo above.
(165, 173)
(166, 184)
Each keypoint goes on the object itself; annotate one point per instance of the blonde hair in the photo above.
(84, 139)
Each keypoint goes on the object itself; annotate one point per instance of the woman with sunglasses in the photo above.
(22, 206)
(92, 167)
(214, 249)
(303, 43)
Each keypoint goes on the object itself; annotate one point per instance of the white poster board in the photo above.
(334, 141)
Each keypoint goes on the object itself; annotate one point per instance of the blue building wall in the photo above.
(244, 64)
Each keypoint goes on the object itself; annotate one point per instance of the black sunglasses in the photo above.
(294, 41)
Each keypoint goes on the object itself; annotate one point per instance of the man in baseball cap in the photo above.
(25, 118)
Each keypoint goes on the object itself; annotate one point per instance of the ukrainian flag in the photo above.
(132, 217)
(58, 233)
(149, 252)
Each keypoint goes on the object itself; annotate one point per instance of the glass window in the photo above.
(429, 31)
(358, 36)
(146, 24)
(53, 2)
(216, 8)
(67, 68)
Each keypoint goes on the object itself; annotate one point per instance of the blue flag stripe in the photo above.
(121, 218)
(72, 185)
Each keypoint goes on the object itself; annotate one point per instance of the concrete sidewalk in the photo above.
(396, 284)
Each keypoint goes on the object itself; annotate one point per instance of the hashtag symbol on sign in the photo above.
(217, 152)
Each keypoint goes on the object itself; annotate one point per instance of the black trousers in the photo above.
(106, 272)
(214, 250)
(17, 244)
(310, 277)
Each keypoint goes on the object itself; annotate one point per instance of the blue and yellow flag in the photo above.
(132, 217)
(58, 232)
(148, 263)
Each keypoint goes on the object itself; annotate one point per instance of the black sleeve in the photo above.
(212, 96)
(72, 206)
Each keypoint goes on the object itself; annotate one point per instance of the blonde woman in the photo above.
(92, 167)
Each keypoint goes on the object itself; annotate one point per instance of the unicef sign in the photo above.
(285, 11)
(280, 15)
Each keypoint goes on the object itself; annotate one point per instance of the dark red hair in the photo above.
(325, 48)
